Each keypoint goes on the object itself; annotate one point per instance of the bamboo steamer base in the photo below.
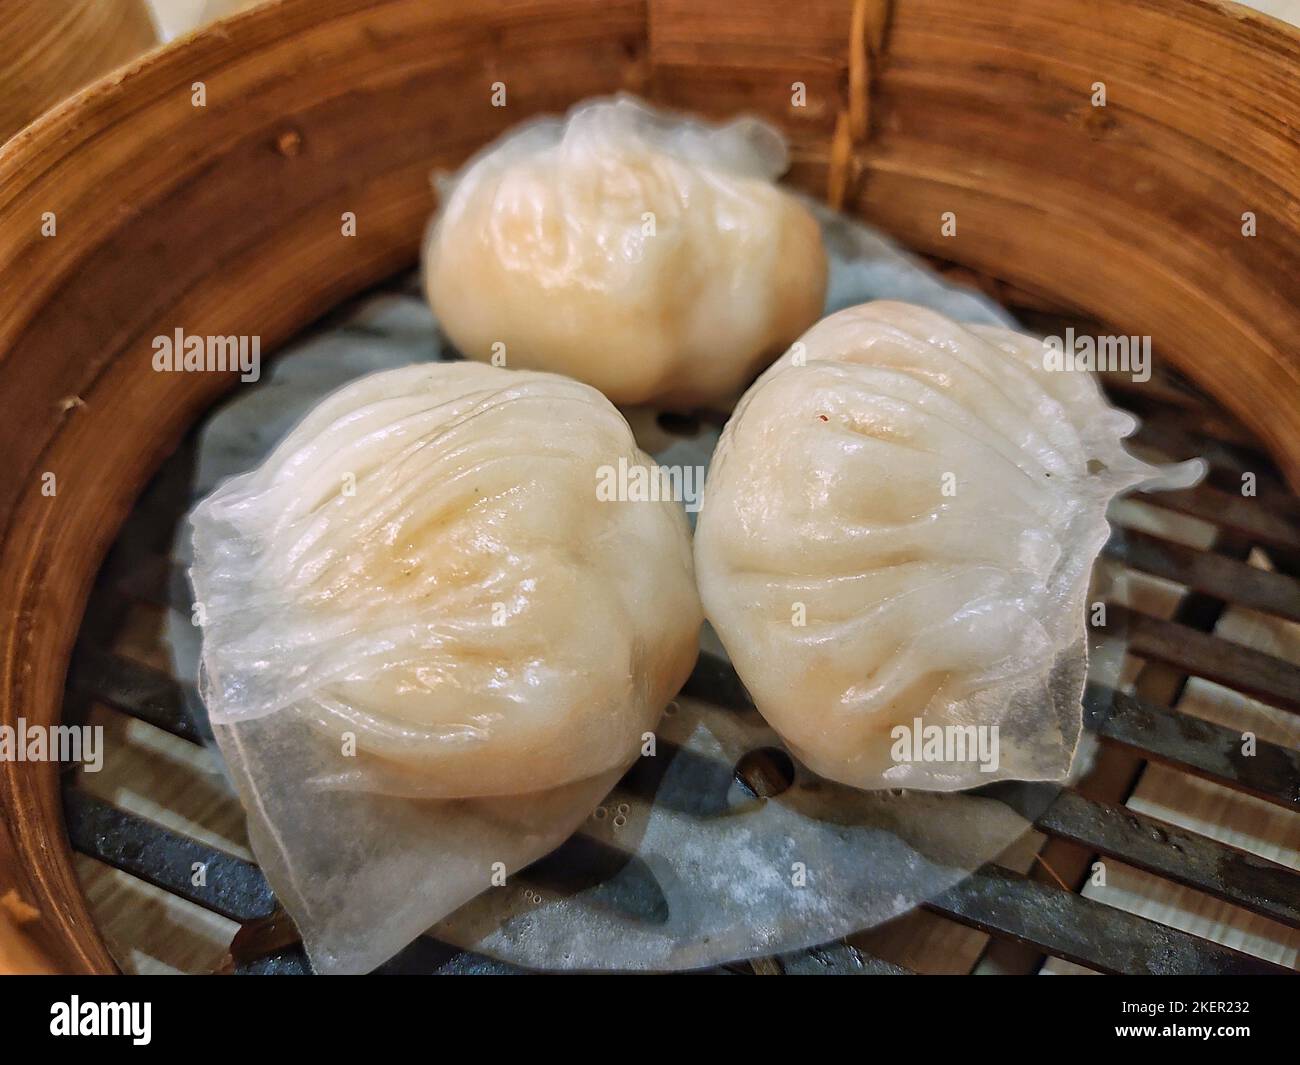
(225, 219)
(127, 663)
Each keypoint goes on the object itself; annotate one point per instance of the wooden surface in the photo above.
(51, 48)
(226, 220)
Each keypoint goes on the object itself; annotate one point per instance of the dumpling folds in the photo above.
(898, 528)
(646, 254)
(429, 647)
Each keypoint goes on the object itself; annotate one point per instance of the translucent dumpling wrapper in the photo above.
(687, 895)
(895, 545)
(648, 254)
(430, 646)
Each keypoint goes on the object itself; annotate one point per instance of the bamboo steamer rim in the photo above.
(52, 48)
(918, 105)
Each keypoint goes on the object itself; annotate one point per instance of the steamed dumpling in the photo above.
(424, 564)
(899, 525)
(647, 255)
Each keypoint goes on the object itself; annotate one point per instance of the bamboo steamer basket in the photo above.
(52, 48)
(225, 219)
